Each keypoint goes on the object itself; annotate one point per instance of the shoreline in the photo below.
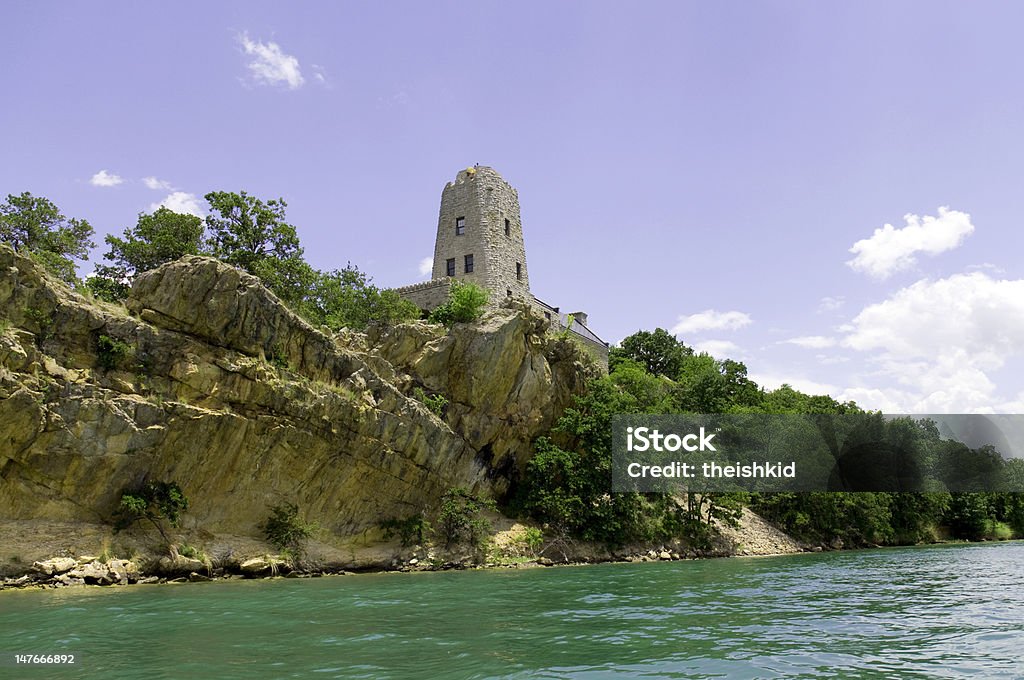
(34, 580)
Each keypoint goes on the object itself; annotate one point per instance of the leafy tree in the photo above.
(465, 303)
(659, 352)
(253, 235)
(347, 299)
(158, 503)
(34, 225)
(163, 236)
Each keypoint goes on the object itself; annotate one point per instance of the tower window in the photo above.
(508, 227)
(450, 265)
(460, 226)
(508, 292)
(547, 315)
(469, 264)
(519, 271)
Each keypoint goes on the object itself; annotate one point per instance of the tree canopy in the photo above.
(35, 226)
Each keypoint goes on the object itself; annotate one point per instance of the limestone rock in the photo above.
(222, 389)
(57, 565)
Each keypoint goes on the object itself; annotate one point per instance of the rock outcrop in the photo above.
(208, 380)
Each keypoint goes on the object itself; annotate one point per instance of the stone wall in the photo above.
(427, 295)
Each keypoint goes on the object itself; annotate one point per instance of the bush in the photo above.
(111, 351)
(465, 303)
(285, 530)
(435, 403)
(461, 518)
(412, 530)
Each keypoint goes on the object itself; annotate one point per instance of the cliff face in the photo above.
(209, 381)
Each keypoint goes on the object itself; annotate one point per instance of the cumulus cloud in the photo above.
(426, 266)
(811, 341)
(711, 320)
(270, 65)
(156, 184)
(105, 179)
(180, 202)
(941, 341)
(890, 250)
(720, 349)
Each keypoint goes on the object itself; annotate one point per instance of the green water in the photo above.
(925, 612)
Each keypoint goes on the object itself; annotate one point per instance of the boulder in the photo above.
(56, 565)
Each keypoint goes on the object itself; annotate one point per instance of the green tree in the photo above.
(163, 236)
(159, 503)
(35, 226)
(253, 235)
(346, 298)
(659, 352)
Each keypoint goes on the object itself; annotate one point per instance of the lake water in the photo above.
(945, 611)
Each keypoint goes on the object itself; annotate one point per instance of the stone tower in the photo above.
(480, 235)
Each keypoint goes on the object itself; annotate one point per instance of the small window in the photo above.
(508, 227)
(451, 266)
(508, 292)
(547, 315)
(519, 271)
(469, 264)
(460, 226)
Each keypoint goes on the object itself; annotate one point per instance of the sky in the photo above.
(829, 192)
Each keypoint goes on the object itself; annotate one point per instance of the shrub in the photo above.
(465, 303)
(286, 530)
(461, 518)
(435, 403)
(412, 530)
(111, 352)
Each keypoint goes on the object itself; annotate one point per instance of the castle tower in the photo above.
(480, 235)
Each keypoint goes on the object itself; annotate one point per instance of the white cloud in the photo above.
(157, 184)
(270, 65)
(720, 349)
(180, 202)
(105, 179)
(941, 341)
(426, 266)
(710, 320)
(890, 250)
(811, 341)
(831, 303)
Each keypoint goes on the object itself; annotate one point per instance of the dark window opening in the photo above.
(519, 271)
(469, 264)
(547, 315)
(508, 227)
(460, 226)
(508, 292)
(451, 266)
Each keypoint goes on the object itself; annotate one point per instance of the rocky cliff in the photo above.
(206, 379)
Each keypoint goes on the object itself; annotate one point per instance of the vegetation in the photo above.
(35, 226)
(412, 530)
(159, 503)
(461, 519)
(157, 238)
(346, 298)
(436, 403)
(465, 303)
(111, 352)
(567, 484)
(286, 530)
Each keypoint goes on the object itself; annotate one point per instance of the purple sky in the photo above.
(704, 167)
